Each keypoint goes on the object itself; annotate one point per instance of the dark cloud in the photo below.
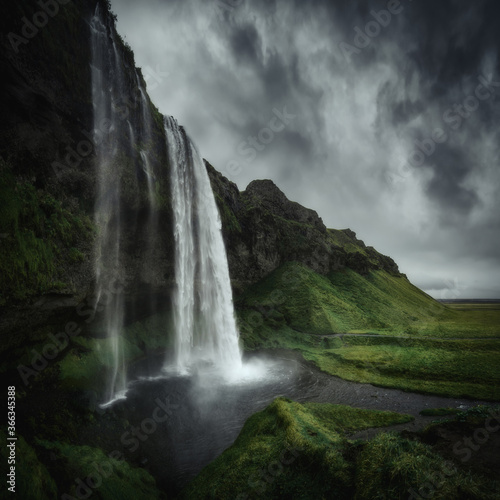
(246, 45)
(347, 153)
(450, 170)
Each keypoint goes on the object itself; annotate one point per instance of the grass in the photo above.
(32, 478)
(390, 466)
(415, 343)
(40, 238)
(437, 371)
(341, 302)
(104, 476)
(439, 412)
(292, 450)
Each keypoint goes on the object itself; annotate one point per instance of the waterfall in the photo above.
(146, 144)
(106, 77)
(204, 323)
(114, 134)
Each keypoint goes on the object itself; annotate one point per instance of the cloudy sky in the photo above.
(383, 116)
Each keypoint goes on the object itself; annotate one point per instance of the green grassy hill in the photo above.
(341, 302)
(395, 334)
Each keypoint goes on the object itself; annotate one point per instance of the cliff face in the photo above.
(49, 179)
(263, 230)
(49, 183)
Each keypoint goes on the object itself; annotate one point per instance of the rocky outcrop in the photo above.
(263, 230)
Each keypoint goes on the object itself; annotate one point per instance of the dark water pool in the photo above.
(179, 424)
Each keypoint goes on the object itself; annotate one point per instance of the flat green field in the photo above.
(378, 329)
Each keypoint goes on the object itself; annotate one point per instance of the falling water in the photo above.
(205, 328)
(146, 140)
(113, 132)
(109, 270)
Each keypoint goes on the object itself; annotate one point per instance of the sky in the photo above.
(383, 116)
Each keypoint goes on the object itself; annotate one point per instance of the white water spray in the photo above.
(205, 327)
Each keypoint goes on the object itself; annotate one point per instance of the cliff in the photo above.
(48, 170)
(263, 230)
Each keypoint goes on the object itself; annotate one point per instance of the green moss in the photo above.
(32, 478)
(90, 360)
(342, 239)
(76, 255)
(290, 450)
(390, 467)
(38, 238)
(108, 478)
(229, 220)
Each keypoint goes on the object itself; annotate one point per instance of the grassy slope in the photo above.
(293, 307)
(291, 450)
(104, 477)
(342, 302)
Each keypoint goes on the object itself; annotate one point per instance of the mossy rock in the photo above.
(33, 480)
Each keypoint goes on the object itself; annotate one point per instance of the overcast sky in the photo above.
(383, 122)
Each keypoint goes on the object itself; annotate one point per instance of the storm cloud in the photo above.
(393, 115)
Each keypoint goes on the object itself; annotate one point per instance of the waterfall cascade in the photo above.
(205, 327)
(204, 323)
(113, 131)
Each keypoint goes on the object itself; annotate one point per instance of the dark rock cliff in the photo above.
(48, 185)
(263, 229)
(48, 169)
